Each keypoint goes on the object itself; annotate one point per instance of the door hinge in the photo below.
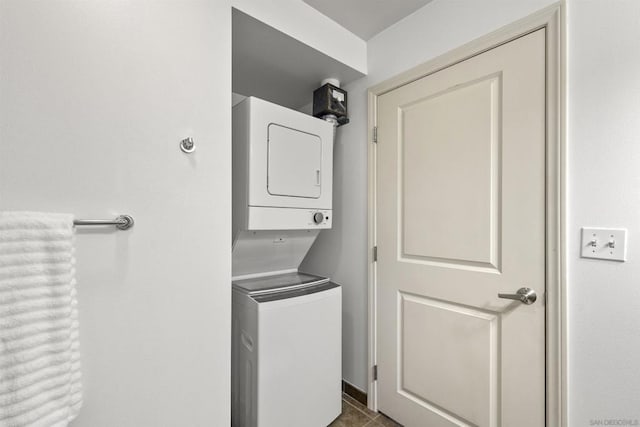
(375, 372)
(375, 134)
(375, 253)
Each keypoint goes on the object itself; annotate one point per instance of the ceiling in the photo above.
(366, 18)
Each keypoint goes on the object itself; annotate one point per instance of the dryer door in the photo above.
(294, 163)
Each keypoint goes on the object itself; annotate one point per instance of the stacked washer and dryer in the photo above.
(286, 326)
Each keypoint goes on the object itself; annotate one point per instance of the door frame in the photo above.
(551, 18)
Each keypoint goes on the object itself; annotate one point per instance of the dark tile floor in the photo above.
(355, 414)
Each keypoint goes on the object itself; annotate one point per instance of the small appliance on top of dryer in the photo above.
(286, 364)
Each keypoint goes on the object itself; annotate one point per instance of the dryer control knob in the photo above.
(318, 217)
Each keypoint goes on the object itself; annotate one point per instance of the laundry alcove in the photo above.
(282, 318)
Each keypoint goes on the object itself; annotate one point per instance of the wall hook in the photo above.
(187, 145)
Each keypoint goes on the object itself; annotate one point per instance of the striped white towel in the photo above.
(39, 354)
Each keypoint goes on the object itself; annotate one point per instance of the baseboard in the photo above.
(354, 392)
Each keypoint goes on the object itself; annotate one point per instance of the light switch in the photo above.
(604, 243)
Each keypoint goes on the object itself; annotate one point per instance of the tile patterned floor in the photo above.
(355, 414)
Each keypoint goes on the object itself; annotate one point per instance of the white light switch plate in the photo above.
(604, 243)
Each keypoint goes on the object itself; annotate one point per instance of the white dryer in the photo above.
(282, 168)
(282, 186)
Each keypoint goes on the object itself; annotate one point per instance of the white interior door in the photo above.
(460, 218)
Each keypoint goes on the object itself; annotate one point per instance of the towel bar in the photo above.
(122, 222)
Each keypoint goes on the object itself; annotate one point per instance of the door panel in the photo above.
(467, 354)
(429, 149)
(460, 208)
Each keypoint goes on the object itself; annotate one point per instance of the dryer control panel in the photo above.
(263, 218)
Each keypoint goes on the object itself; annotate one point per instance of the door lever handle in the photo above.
(525, 295)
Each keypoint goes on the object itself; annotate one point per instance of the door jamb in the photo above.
(551, 18)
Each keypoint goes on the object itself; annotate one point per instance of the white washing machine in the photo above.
(286, 351)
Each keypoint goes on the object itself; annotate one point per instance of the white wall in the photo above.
(94, 98)
(341, 253)
(604, 190)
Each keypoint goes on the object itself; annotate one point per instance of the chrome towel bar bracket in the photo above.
(122, 222)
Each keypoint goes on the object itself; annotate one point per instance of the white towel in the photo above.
(39, 354)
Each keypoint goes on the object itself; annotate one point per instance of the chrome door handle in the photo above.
(525, 295)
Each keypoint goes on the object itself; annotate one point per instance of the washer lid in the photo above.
(277, 283)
